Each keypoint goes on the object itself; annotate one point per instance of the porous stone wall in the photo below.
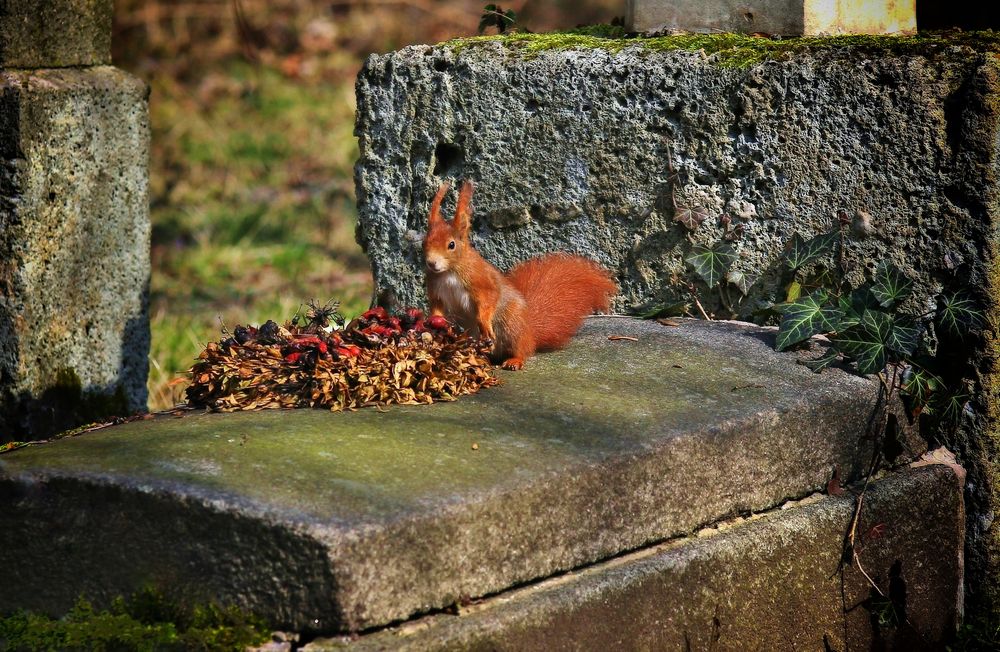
(74, 223)
(581, 150)
(55, 33)
(586, 147)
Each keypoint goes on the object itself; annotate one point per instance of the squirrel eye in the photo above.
(451, 245)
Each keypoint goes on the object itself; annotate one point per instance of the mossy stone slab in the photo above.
(770, 583)
(339, 522)
(590, 145)
(55, 33)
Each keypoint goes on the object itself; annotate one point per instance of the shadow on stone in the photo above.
(67, 403)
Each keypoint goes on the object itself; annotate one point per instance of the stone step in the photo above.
(770, 583)
(343, 522)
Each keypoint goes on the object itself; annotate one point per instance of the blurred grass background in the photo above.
(252, 112)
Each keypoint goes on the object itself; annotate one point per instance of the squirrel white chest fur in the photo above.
(456, 299)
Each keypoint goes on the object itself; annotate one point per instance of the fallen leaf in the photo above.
(668, 322)
(876, 531)
(943, 456)
(622, 338)
(833, 486)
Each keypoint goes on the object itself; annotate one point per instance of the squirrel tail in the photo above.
(560, 290)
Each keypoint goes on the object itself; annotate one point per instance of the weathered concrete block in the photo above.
(74, 248)
(338, 522)
(774, 583)
(783, 17)
(55, 33)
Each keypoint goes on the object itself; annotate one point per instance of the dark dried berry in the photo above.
(242, 334)
(268, 333)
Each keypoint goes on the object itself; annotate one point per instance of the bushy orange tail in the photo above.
(560, 291)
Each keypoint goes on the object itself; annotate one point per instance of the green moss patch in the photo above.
(146, 621)
(733, 50)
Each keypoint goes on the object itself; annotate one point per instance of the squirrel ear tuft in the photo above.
(435, 215)
(463, 212)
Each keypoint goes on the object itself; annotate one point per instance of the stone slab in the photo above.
(579, 144)
(337, 522)
(74, 248)
(55, 33)
(765, 584)
(775, 17)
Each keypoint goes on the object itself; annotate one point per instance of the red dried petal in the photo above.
(437, 322)
(378, 313)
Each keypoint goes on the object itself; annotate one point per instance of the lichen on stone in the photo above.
(729, 49)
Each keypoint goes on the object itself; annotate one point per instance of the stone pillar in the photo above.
(778, 17)
(74, 221)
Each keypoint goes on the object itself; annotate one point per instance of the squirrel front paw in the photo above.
(512, 363)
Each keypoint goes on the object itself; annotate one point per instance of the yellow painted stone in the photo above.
(775, 17)
(859, 17)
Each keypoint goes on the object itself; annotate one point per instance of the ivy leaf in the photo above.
(952, 406)
(821, 363)
(854, 305)
(919, 385)
(904, 336)
(765, 312)
(712, 264)
(495, 16)
(877, 323)
(488, 18)
(868, 352)
(675, 309)
(890, 285)
(802, 251)
(691, 218)
(510, 18)
(958, 314)
(793, 291)
(739, 280)
(808, 316)
(866, 343)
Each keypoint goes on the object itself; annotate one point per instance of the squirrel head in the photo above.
(446, 242)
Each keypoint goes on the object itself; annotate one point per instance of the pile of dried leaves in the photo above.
(377, 359)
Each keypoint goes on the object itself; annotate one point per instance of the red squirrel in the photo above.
(538, 306)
